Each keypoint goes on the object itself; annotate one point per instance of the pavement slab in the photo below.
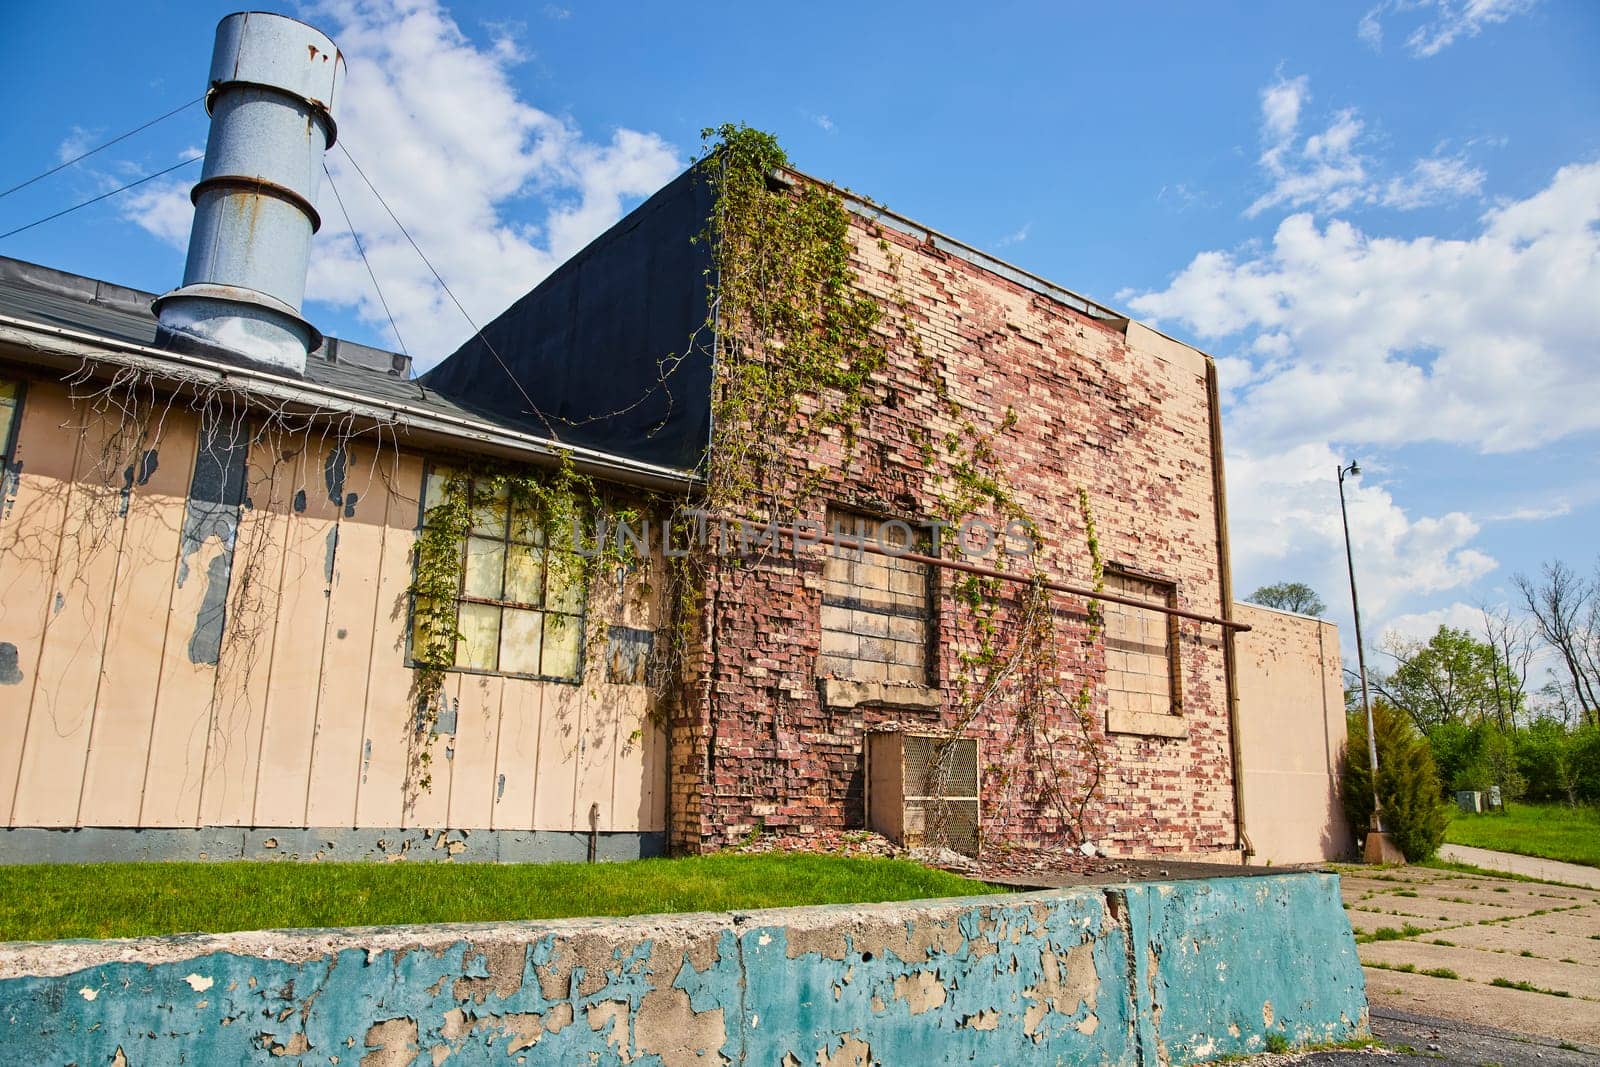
(1479, 965)
(1562, 1019)
(1509, 937)
(1368, 922)
(1580, 922)
(1528, 866)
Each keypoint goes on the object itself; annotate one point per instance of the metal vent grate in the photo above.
(923, 790)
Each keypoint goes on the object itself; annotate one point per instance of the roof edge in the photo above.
(64, 349)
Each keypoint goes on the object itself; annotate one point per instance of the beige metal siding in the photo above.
(305, 718)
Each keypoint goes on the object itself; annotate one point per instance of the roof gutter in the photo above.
(67, 350)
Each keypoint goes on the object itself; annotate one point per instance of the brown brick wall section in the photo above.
(1123, 415)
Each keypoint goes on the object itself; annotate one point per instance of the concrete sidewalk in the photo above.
(1527, 866)
(1480, 950)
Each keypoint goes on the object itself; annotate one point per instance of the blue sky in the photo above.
(1381, 217)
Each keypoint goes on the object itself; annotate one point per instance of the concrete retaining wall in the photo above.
(1150, 973)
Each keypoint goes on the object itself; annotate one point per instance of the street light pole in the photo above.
(1379, 849)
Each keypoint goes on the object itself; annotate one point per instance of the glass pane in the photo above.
(8, 410)
(480, 636)
(525, 525)
(524, 575)
(563, 638)
(419, 646)
(489, 511)
(436, 488)
(564, 592)
(486, 566)
(520, 641)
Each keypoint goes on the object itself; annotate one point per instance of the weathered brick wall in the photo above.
(1106, 406)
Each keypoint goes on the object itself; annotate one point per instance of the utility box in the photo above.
(922, 790)
(1470, 801)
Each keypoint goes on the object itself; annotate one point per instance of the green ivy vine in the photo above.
(559, 504)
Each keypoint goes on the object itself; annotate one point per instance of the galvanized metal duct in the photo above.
(273, 84)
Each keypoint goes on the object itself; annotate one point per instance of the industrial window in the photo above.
(875, 611)
(10, 407)
(1139, 643)
(520, 606)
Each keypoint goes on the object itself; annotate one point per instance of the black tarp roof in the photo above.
(611, 350)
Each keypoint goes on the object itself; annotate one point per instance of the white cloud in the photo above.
(1431, 181)
(1015, 237)
(1443, 22)
(1328, 170)
(1335, 339)
(1285, 523)
(438, 125)
(1421, 625)
(1480, 342)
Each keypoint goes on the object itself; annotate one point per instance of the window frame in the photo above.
(8, 446)
(1169, 588)
(578, 619)
(920, 544)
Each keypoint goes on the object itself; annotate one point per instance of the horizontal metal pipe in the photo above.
(1028, 579)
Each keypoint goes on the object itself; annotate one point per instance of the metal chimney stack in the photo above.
(271, 97)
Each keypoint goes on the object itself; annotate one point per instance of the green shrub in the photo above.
(1544, 751)
(1408, 783)
(1583, 748)
(1474, 756)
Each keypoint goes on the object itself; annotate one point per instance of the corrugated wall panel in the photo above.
(57, 744)
(517, 762)
(245, 666)
(476, 740)
(195, 625)
(309, 549)
(347, 645)
(556, 786)
(119, 747)
(389, 712)
(30, 541)
(430, 806)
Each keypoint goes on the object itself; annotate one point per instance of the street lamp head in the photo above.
(1355, 468)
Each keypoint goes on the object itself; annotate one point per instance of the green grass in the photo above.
(1526, 987)
(1552, 831)
(52, 901)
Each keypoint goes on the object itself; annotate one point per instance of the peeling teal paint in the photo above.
(1133, 974)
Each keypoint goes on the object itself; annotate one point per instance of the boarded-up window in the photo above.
(520, 606)
(1139, 663)
(875, 610)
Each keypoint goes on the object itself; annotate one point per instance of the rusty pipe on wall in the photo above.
(1230, 653)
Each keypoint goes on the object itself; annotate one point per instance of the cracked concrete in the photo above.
(1107, 974)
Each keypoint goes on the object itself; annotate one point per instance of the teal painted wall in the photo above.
(1130, 974)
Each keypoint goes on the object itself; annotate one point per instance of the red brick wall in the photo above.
(1116, 410)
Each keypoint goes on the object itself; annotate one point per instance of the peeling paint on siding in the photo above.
(212, 511)
(333, 472)
(137, 473)
(10, 672)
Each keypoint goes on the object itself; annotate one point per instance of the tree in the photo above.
(1448, 678)
(1565, 609)
(1512, 640)
(1408, 783)
(1289, 596)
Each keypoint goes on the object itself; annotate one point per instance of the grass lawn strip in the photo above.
(53, 901)
(1549, 831)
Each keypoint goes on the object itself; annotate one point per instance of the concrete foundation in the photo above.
(329, 844)
(1148, 973)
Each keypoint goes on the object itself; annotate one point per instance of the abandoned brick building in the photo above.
(209, 550)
